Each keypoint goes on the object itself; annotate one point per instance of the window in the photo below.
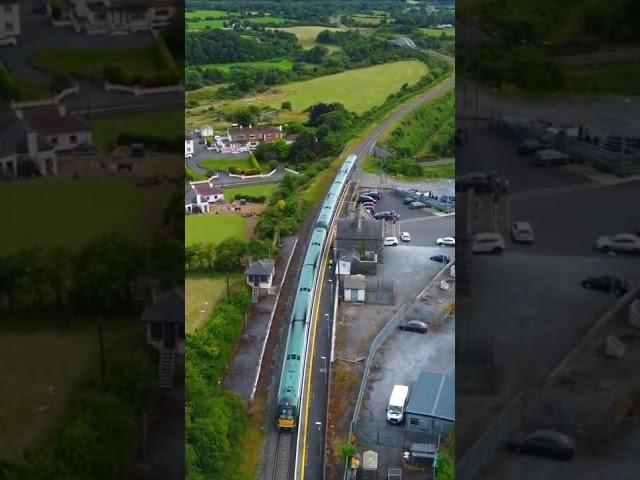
(73, 138)
(415, 422)
(54, 140)
(156, 330)
(8, 26)
(8, 8)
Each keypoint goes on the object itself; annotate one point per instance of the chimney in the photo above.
(32, 143)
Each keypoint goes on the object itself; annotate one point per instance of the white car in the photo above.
(522, 232)
(391, 242)
(405, 237)
(489, 242)
(452, 272)
(188, 155)
(446, 241)
(622, 242)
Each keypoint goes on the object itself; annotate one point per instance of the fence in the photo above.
(482, 451)
(383, 334)
(392, 436)
(580, 150)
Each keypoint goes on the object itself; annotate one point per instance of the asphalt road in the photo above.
(315, 433)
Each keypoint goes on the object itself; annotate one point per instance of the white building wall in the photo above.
(188, 147)
(67, 141)
(9, 20)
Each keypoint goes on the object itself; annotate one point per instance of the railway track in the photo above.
(281, 468)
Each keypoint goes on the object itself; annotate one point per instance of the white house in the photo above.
(19, 143)
(354, 288)
(51, 122)
(245, 139)
(188, 145)
(9, 22)
(206, 131)
(199, 195)
(118, 16)
(260, 273)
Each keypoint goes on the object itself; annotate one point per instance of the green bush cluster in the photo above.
(228, 256)
(251, 198)
(157, 142)
(122, 76)
(8, 88)
(244, 171)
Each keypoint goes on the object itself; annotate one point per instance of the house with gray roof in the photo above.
(354, 288)
(199, 195)
(260, 274)
(431, 406)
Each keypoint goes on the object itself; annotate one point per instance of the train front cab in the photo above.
(287, 414)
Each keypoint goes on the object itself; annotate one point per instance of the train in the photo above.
(291, 378)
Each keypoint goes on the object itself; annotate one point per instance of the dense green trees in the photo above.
(228, 256)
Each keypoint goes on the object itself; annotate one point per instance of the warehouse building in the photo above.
(431, 406)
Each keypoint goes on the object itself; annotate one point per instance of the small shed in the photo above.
(260, 273)
(431, 406)
(354, 288)
(164, 321)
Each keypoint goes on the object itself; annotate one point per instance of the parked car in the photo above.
(372, 193)
(387, 216)
(405, 237)
(489, 242)
(446, 242)
(416, 205)
(531, 146)
(364, 198)
(440, 258)
(608, 284)
(482, 183)
(368, 204)
(414, 326)
(549, 157)
(407, 200)
(622, 242)
(391, 242)
(544, 443)
(522, 232)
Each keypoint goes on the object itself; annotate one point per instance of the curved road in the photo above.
(315, 428)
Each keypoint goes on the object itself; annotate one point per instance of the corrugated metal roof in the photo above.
(433, 396)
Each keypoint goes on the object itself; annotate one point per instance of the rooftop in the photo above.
(254, 130)
(167, 308)
(206, 189)
(261, 267)
(433, 396)
(48, 120)
(355, 282)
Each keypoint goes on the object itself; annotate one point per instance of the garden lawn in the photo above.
(253, 190)
(100, 206)
(92, 61)
(205, 13)
(307, 35)
(358, 90)
(225, 163)
(35, 359)
(210, 228)
(436, 32)
(202, 291)
(168, 123)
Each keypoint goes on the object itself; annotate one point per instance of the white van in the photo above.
(397, 402)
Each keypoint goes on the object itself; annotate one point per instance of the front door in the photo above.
(169, 336)
(354, 295)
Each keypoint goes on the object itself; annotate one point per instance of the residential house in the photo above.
(188, 145)
(359, 243)
(206, 131)
(9, 22)
(118, 16)
(198, 196)
(164, 325)
(20, 144)
(245, 139)
(431, 406)
(51, 122)
(354, 288)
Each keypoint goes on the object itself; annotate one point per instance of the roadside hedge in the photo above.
(244, 171)
(251, 198)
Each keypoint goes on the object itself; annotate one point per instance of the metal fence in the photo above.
(383, 334)
(392, 436)
(482, 451)
(581, 150)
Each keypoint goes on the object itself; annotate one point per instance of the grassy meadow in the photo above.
(211, 228)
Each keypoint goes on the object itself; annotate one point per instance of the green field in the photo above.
(436, 32)
(616, 79)
(167, 123)
(220, 17)
(51, 210)
(253, 190)
(359, 89)
(202, 291)
(92, 61)
(34, 361)
(213, 228)
(224, 163)
(307, 35)
(205, 13)
(370, 19)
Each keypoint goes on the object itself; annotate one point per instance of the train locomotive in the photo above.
(290, 388)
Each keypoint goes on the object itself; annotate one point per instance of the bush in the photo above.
(273, 164)
(251, 198)
(156, 142)
(60, 82)
(8, 88)
(243, 171)
(119, 76)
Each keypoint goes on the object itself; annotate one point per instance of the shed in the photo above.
(260, 273)
(431, 406)
(164, 321)
(354, 288)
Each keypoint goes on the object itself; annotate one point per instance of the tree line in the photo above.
(227, 256)
(99, 278)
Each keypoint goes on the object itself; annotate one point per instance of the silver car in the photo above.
(522, 232)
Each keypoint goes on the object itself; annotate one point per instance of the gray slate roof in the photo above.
(168, 308)
(261, 267)
(433, 396)
(369, 229)
(13, 135)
